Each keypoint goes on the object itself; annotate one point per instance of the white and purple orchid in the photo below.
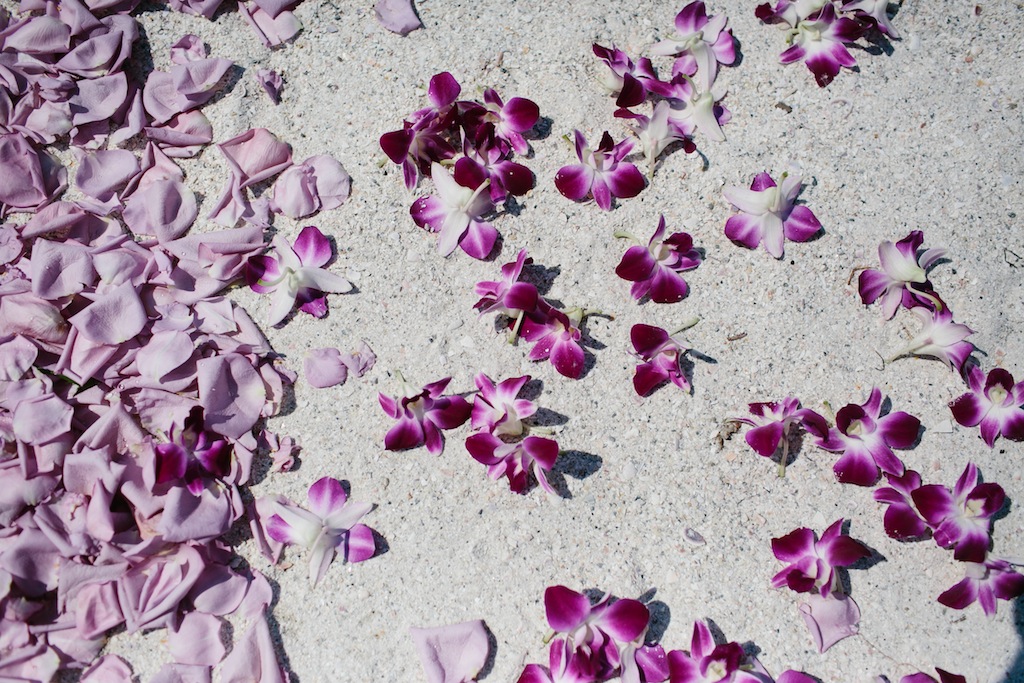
(816, 35)
(901, 518)
(866, 439)
(328, 526)
(192, 454)
(706, 661)
(656, 270)
(626, 80)
(769, 214)
(509, 296)
(770, 425)
(903, 278)
(701, 43)
(421, 415)
(456, 214)
(601, 173)
(556, 335)
(597, 630)
(994, 403)
(939, 338)
(961, 518)
(985, 582)
(295, 275)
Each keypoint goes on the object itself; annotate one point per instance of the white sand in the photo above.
(927, 138)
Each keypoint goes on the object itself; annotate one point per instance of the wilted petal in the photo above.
(113, 317)
(397, 16)
(231, 392)
(324, 368)
(196, 640)
(452, 654)
(165, 208)
(830, 619)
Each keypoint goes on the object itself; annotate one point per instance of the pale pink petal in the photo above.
(452, 654)
(397, 16)
(196, 640)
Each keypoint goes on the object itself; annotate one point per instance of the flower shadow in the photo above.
(576, 464)
(492, 654)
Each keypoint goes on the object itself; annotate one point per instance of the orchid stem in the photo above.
(687, 324)
(785, 453)
(515, 327)
(624, 235)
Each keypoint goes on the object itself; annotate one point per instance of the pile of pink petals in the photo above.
(478, 140)
(133, 394)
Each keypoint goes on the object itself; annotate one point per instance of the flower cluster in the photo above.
(608, 639)
(959, 518)
(818, 31)
(555, 333)
(503, 441)
(479, 140)
(690, 100)
(829, 613)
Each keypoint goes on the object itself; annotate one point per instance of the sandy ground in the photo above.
(927, 137)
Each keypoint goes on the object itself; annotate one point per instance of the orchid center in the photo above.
(716, 671)
(974, 507)
(997, 394)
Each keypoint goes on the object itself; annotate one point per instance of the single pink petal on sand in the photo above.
(830, 619)
(324, 368)
(397, 16)
(452, 654)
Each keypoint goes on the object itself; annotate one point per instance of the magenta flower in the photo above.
(192, 455)
(812, 563)
(624, 79)
(508, 296)
(602, 173)
(902, 269)
(995, 403)
(819, 41)
(656, 269)
(597, 629)
(455, 214)
(566, 665)
(873, 12)
(556, 335)
(769, 214)
(487, 161)
(421, 142)
(939, 338)
(296, 275)
(961, 518)
(422, 415)
(662, 355)
(866, 440)
(498, 414)
(901, 519)
(510, 119)
(701, 43)
(771, 423)
(985, 582)
(330, 524)
(706, 662)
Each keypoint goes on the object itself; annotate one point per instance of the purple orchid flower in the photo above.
(556, 335)
(595, 629)
(819, 41)
(692, 108)
(192, 454)
(421, 142)
(657, 132)
(488, 161)
(515, 460)
(985, 582)
(901, 519)
(961, 519)
(662, 354)
(873, 12)
(995, 403)
(330, 523)
(701, 43)
(627, 81)
(656, 269)
(902, 269)
(566, 665)
(296, 275)
(866, 440)
(812, 563)
(939, 338)
(602, 173)
(769, 214)
(455, 215)
(508, 296)
(511, 119)
(706, 662)
(771, 423)
(498, 413)
(422, 415)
